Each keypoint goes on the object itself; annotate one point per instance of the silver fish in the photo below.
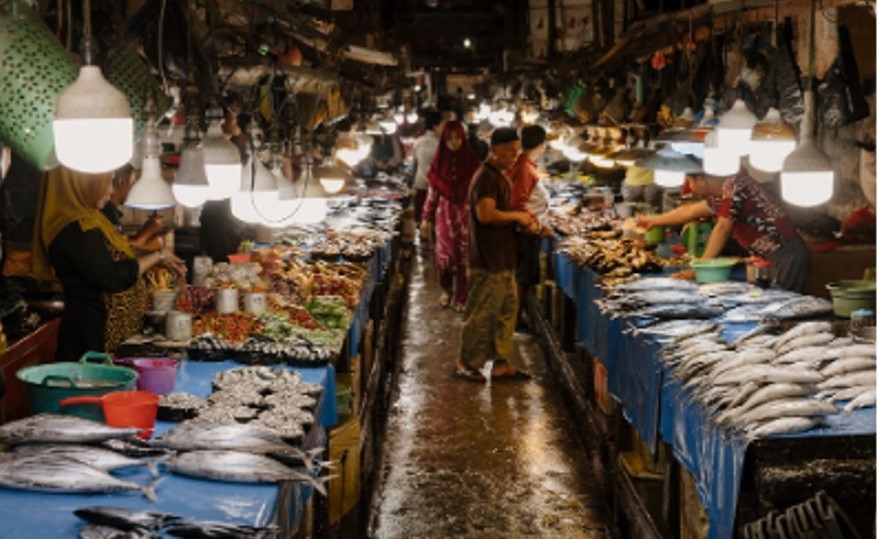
(800, 354)
(860, 378)
(202, 529)
(98, 457)
(860, 401)
(802, 307)
(60, 474)
(855, 350)
(238, 467)
(760, 341)
(656, 283)
(124, 519)
(744, 313)
(762, 297)
(192, 435)
(804, 328)
(788, 407)
(843, 394)
(744, 357)
(671, 329)
(768, 374)
(760, 331)
(52, 428)
(769, 393)
(726, 288)
(784, 425)
(805, 341)
(674, 311)
(848, 364)
(95, 531)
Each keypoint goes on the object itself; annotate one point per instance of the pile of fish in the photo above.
(765, 384)
(119, 523)
(611, 254)
(51, 453)
(663, 298)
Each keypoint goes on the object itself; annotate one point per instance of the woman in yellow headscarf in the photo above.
(104, 298)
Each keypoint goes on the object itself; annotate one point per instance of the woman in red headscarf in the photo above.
(446, 209)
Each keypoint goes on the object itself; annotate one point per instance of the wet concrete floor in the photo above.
(463, 459)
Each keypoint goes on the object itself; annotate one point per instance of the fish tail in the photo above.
(149, 490)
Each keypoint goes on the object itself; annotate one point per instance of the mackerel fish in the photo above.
(787, 407)
(674, 311)
(726, 288)
(803, 307)
(862, 400)
(61, 474)
(202, 529)
(238, 467)
(784, 425)
(803, 328)
(53, 428)
(816, 339)
(674, 329)
(848, 364)
(656, 283)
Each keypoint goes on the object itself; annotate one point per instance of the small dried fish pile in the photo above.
(54, 428)
(180, 406)
(606, 255)
(762, 384)
(119, 523)
(56, 473)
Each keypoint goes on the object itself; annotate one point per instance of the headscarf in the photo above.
(66, 197)
(451, 171)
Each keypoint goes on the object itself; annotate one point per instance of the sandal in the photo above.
(469, 374)
(459, 307)
(444, 299)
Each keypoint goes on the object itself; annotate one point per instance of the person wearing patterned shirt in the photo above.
(743, 210)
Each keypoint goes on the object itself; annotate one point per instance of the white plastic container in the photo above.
(255, 302)
(178, 326)
(227, 300)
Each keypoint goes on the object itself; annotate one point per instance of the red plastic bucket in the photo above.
(125, 409)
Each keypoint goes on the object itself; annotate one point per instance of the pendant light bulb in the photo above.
(93, 129)
(222, 161)
(735, 128)
(771, 142)
(807, 177)
(190, 186)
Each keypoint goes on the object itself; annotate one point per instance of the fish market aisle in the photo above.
(462, 459)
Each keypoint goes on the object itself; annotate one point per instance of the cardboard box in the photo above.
(344, 452)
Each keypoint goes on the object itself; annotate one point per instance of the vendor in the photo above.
(741, 208)
(104, 297)
(640, 186)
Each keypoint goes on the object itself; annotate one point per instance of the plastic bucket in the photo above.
(124, 409)
(48, 384)
(156, 374)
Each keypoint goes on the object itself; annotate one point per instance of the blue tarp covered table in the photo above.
(652, 403)
(38, 515)
(375, 274)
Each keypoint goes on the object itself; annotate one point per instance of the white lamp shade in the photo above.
(190, 186)
(807, 176)
(151, 192)
(349, 156)
(389, 126)
(669, 178)
(332, 185)
(771, 142)
(717, 161)
(93, 129)
(222, 162)
(769, 155)
(412, 117)
(734, 129)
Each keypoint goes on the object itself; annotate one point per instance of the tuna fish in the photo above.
(61, 474)
(95, 531)
(219, 530)
(98, 457)
(124, 519)
(50, 429)
(802, 307)
(238, 467)
(192, 435)
(727, 288)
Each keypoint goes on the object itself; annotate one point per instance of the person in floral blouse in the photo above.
(743, 210)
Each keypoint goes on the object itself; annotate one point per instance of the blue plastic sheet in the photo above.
(38, 515)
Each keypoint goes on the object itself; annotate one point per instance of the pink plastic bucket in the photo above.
(156, 374)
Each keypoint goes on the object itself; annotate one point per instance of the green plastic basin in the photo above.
(850, 295)
(51, 383)
(713, 270)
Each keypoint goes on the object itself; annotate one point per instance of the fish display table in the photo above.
(40, 515)
(655, 406)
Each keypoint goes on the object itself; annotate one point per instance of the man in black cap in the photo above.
(492, 304)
